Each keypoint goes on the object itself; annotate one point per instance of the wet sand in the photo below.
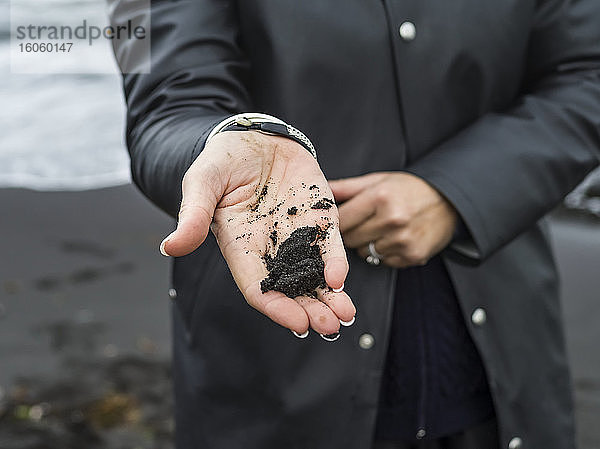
(84, 320)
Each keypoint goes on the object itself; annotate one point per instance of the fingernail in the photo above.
(338, 290)
(162, 247)
(304, 335)
(330, 337)
(348, 323)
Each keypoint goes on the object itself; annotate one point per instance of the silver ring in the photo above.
(374, 258)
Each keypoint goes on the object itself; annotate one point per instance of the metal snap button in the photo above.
(479, 317)
(408, 31)
(366, 341)
(515, 443)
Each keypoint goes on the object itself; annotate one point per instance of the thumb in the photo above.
(202, 189)
(346, 188)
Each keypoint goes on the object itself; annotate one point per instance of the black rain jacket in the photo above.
(496, 103)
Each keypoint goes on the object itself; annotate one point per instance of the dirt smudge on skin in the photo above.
(324, 203)
(260, 198)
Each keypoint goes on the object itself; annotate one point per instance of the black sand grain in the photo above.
(273, 236)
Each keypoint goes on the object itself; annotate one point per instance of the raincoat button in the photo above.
(366, 341)
(515, 443)
(479, 317)
(407, 31)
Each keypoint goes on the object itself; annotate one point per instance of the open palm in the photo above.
(254, 190)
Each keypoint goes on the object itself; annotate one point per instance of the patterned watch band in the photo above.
(264, 123)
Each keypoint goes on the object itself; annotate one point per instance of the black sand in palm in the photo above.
(297, 268)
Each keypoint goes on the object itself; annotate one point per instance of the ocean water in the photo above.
(60, 131)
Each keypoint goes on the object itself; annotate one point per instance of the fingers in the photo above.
(368, 231)
(322, 319)
(283, 310)
(336, 270)
(324, 315)
(399, 262)
(334, 257)
(339, 302)
(248, 270)
(327, 313)
(302, 312)
(192, 229)
(356, 210)
(346, 188)
(296, 314)
(203, 186)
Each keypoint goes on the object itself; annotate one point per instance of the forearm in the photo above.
(196, 78)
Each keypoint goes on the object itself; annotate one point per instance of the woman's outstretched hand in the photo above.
(245, 185)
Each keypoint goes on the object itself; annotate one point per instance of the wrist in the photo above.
(230, 149)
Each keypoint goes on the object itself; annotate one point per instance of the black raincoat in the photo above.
(496, 103)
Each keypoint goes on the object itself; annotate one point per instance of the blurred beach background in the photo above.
(84, 306)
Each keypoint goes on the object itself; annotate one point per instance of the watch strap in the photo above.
(266, 124)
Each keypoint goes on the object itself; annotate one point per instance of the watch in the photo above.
(266, 124)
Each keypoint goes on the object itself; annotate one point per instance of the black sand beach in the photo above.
(84, 320)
